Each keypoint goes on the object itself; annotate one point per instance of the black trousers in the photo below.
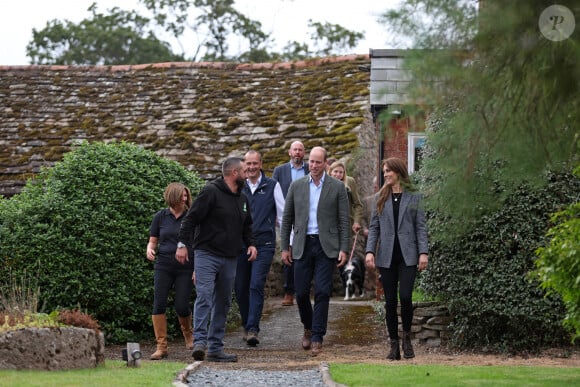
(164, 280)
(400, 279)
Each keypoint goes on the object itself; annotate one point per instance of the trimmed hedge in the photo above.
(482, 273)
(82, 227)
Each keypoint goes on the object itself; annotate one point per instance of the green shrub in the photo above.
(82, 226)
(482, 273)
(558, 263)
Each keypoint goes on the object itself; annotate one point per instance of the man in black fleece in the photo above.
(220, 224)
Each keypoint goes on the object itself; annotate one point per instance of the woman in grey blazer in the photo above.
(397, 245)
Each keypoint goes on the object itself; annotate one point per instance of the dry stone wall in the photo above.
(430, 323)
(51, 348)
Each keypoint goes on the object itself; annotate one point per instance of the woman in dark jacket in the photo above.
(398, 231)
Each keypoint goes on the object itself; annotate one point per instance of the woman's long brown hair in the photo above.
(398, 166)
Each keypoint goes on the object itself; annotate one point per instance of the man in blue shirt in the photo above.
(285, 174)
(317, 211)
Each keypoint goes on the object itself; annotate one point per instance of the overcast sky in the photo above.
(284, 19)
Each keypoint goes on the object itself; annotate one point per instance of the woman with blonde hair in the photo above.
(169, 273)
(399, 232)
(338, 170)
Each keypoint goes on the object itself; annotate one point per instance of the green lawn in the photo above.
(113, 373)
(354, 375)
(116, 373)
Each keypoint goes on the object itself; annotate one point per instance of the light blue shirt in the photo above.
(297, 173)
(315, 191)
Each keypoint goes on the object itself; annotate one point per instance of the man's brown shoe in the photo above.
(288, 300)
(306, 339)
(253, 339)
(316, 348)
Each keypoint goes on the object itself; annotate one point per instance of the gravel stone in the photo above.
(205, 376)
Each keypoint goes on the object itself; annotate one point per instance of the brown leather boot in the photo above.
(160, 328)
(288, 300)
(408, 352)
(316, 348)
(187, 330)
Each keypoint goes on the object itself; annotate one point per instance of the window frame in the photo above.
(412, 139)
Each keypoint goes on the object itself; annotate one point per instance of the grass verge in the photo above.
(113, 373)
(354, 375)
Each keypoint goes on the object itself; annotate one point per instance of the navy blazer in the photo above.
(283, 175)
(412, 231)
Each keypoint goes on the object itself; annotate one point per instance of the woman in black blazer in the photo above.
(398, 231)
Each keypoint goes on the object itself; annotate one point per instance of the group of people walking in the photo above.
(224, 242)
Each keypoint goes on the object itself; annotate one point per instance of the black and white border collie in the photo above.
(353, 278)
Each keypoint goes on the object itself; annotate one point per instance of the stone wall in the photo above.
(51, 348)
(430, 323)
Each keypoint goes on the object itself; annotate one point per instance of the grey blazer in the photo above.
(412, 231)
(332, 216)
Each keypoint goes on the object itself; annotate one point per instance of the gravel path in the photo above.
(279, 358)
(354, 336)
(205, 376)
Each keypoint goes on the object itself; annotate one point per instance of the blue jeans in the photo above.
(250, 282)
(163, 281)
(314, 264)
(214, 278)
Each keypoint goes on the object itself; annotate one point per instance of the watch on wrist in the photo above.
(180, 245)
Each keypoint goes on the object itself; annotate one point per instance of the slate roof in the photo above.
(195, 113)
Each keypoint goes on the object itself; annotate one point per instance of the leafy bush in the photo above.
(482, 273)
(558, 263)
(83, 225)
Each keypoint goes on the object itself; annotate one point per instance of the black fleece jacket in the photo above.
(219, 221)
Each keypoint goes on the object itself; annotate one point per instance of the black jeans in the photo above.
(164, 280)
(402, 277)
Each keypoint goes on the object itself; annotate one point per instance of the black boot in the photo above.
(408, 352)
(395, 353)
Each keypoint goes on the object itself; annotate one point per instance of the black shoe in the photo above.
(408, 352)
(198, 352)
(395, 353)
(222, 357)
(252, 339)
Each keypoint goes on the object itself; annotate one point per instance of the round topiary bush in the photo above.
(81, 227)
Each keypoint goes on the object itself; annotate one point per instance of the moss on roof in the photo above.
(195, 115)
